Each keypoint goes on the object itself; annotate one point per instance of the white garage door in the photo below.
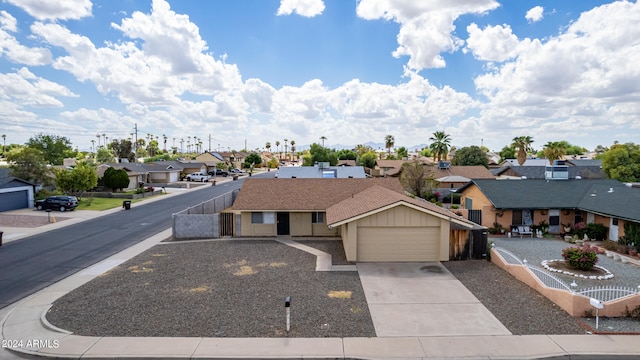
(398, 244)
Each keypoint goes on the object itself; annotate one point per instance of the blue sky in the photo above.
(484, 71)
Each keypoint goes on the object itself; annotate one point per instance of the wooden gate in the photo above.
(227, 221)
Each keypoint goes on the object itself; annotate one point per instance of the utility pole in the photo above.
(245, 144)
(209, 142)
(135, 147)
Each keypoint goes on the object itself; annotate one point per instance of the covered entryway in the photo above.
(282, 227)
(419, 243)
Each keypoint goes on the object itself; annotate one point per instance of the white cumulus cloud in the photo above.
(535, 14)
(55, 10)
(307, 8)
(493, 43)
(426, 27)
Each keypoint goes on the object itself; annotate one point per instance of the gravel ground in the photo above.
(27, 221)
(333, 247)
(519, 308)
(547, 249)
(217, 289)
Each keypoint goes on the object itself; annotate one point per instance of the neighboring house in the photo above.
(347, 163)
(453, 177)
(136, 175)
(235, 158)
(585, 169)
(374, 218)
(188, 166)
(315, 172)
(531, 201)
(211, 159)
(15, 193)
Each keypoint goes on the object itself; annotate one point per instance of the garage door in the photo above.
(14, 200)
(398, 244)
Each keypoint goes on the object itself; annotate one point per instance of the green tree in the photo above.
(523, 145)
(123, 149)
(345, 154)
(389, 141)
(470, 155)
(416, 178)
(54, 148)
(403, 153)
(252, 160)
(554, 150)
(115, 179)
(104, 156)
(426, 152)
(152, 148)
(361, 149)
(440, 145)
(318, 153)
(622, 162)
(507, 152)
(28, 164)
(368, 159)
(83, 177)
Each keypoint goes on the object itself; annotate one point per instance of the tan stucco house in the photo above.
(374, 218)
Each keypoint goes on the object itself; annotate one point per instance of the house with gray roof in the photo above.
(15, 193)
(518, 202)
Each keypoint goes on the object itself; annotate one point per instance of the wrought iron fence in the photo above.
(603, 293)
(607, 293)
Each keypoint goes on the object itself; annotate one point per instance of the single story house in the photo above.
(319, 172)
(210, 158)
(374, 218)
(556, 202)
(136, 175)
(15, 193)
(580, 168)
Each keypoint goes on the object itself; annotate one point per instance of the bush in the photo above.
(596, 231)
(632, 235)
(580, 258)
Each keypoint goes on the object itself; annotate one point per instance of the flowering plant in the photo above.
(581, 258)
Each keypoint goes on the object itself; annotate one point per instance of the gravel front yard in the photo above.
(217, 289)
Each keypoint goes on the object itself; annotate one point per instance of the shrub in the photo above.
(578, 229)
(581, 258)
(596, 231)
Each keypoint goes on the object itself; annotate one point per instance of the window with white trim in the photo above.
(317, 217)
(263, 218)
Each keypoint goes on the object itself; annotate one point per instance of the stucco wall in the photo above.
(249, 229)
(194, 226)
(573, 304)
(300, 224)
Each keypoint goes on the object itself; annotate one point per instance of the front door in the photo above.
(554, 221)
(283, 223)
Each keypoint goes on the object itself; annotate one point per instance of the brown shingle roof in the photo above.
(470, 172)
(376, 198)
(259, 194)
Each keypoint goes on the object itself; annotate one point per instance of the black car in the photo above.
(61, 203)
(218, 172)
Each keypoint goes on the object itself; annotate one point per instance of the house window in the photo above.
(263, 218)
(317, 217)
(256, 218)
(578, 217)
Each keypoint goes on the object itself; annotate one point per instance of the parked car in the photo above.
(219, 172)
(196, 176)
(62, 203)
(237, 171)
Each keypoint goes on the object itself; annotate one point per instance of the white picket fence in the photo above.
(602, 293)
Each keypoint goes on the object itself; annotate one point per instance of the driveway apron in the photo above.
(423, 299)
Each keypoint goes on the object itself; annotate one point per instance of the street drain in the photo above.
(432, 269)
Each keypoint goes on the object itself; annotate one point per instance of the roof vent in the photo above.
(610, 190)
(523, 177)
(578, 177)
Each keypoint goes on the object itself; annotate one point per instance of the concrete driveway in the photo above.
(423, 299)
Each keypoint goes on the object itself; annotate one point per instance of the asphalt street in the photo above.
(33, 263)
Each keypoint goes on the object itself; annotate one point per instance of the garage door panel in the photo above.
(14, 200)
(398, 244)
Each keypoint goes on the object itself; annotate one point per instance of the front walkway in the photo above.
(423, 299)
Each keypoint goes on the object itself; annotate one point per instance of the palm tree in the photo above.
(323, 138)
(523, 144)
(285, 148)
(278, 148)
(268, 146)
(293, 149)
(389, 141)
(4, 143)
(554, 151)
(441, 143)
(164, 137)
